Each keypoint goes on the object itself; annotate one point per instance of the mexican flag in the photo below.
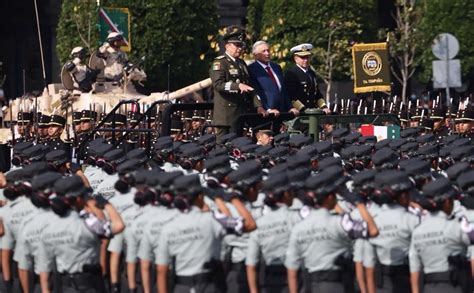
(381, 132)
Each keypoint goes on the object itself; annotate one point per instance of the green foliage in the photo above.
(285, 24)
(448, 16)
(77, 27)
(174, 32)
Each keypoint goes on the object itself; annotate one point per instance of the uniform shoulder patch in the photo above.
(216, 65)
(220, 57)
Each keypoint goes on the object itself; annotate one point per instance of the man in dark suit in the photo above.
(231, 82)
(301, 81)
(266, 78)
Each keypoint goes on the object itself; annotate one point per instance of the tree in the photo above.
(406, 41)
(77, 27)
(331, 26)
(174, 33)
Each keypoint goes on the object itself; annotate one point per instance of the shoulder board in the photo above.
(220, 57)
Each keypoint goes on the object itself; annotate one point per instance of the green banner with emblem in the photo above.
(371, 68)
(115, 20)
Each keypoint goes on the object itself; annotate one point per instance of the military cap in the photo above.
(409, 132)
(281, 137)
(24, 117)
(57, 157)
(239, 142)
(397, 143)
(409, 147)
(164, 145)
(129, 166)
(264, 128)
(228, 137)
(329, 162)
(281, 167)
(119, 119)
(276, 183)
(76, 116)
(363, 177)
(34, 153)
(323, 147)
(439, 189)
(465, 181)
(298, 176)
(70, 186)
(302, 49)
(466, 115)
(87, 115)
(263, 150)
(44, 181)
(426, 138)
(449, 139)
(114, 36)
(457, 169)
(57, 120)
(35, 168)
(152, 178)
(247, 174)
(195, 153)
(351, 137)
(99, 149)
(188, 185)
(363, 151)
(309, 150)
(20, 147)
(461, 141)
(165, 180)
(14, 176)
(218, 164)
(325, 182)
(417, 168)
(99, 140)
(298, 161)
(394, 180)
(445, 151)
(279, 152)
(339, 132)
(299, 140)
(348, 152)
(219, 150)
(384, 143)
(438, 113)
(385, 157)
(249, 148)
(429, 151)
(234, 34)
(141, 176)
(371, 139)
(116, 156)
(427, 123)
(207, 139)
(462, 153)
(139, 154)
(43, 121)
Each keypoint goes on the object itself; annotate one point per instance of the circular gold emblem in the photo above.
(371, 63)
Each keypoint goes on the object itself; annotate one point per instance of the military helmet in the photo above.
(114, 36)
(78, 52)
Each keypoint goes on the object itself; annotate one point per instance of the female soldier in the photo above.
(73, 242)
(193, 239)
(439, 244)
(270, 241)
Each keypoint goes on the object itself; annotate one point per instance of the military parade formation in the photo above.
(207, 210)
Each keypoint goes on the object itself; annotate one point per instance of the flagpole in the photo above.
(40, 44)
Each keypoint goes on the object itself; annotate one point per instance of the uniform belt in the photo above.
(275, 270)
(326, 276)
(437, 277)
(238, 266)
(194, 280)
(395, 270)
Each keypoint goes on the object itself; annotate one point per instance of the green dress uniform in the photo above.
(229, 103)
